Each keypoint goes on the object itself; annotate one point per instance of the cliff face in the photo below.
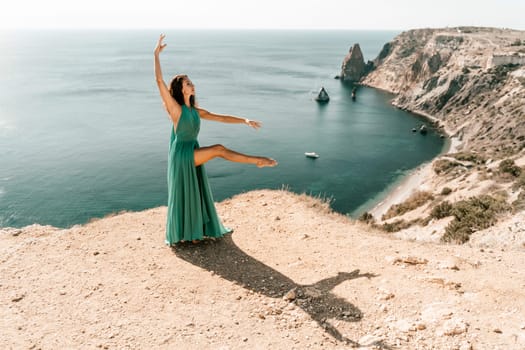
(472, 82)
(471, 79)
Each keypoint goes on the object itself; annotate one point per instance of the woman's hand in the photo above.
(160, 45)
(253, 123)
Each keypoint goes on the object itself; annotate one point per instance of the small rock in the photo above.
(244, 339)
(312, 292)
(291, 295)
(445, 283)
(421, 326)
(454, 327)
(450, 263)
(18, 298)
(386, 296)
(277, 218)
(410, 260)
(16, 232)
(497, 330)
(369, 340)
(96, 253)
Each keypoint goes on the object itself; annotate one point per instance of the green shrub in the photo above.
(414, 201)
(520, 181)
(395, 226)
(443, 166)
(448, 39)
(367, 217)
(469, 157)
(423, 221)
(406, 51)
(471, 215)
(519, 203)
(508, 166)
(441, 210)
(446, 191)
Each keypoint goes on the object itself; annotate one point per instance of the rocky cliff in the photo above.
(471, 79)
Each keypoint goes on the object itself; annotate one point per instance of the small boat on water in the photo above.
(311, 155)
(322, 96)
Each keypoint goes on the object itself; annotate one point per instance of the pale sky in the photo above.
(278, 14)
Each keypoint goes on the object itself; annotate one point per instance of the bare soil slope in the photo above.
(293, 275)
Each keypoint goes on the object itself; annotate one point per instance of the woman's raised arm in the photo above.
(171, 106)
(204, 114)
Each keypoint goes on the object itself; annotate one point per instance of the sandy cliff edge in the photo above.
(292, 275)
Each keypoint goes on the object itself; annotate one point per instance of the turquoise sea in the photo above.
(83, 132)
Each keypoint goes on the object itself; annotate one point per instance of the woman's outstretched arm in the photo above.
(171, 106)
(204, 114)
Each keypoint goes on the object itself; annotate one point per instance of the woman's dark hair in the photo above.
(176, 90)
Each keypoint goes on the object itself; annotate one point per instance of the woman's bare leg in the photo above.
(204, 154)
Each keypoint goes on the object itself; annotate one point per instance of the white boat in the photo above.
(311, 154)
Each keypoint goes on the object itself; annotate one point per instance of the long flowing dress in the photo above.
(191, 210)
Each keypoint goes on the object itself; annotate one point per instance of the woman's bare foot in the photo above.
(263, 161)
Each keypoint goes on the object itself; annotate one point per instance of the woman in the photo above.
(191, 211)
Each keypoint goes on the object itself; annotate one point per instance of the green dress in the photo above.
(191, 210)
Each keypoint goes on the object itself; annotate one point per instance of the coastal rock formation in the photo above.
(471, 82)
(353, 67)
(470, 79)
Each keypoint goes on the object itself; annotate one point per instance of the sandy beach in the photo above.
(417, 179)
(403, 189)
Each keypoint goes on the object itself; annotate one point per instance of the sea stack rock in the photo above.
(353, 68)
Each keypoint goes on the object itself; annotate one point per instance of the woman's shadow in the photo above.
(225, 259)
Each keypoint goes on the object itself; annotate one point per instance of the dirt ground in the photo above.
(292, 275)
